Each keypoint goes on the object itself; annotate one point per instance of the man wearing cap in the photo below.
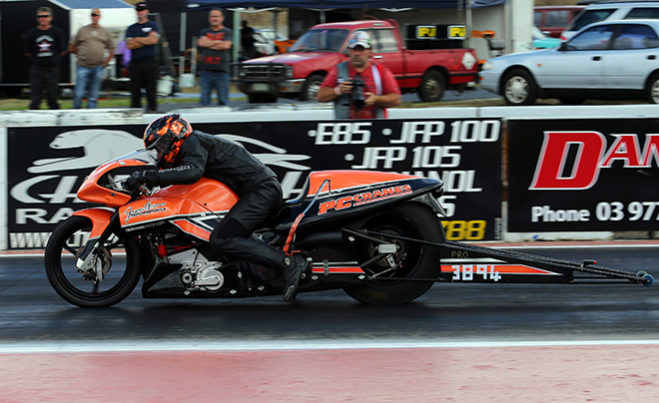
(90, 44)
(44, 46)
(379, 87)
(142, 39)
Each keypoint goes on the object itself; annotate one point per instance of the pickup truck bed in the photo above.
(299, 73)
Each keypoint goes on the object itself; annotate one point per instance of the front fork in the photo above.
(86, 262)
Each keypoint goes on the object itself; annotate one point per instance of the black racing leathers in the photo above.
(214, 157)
(260, 194)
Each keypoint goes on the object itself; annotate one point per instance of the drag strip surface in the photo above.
(463, 342)
(456, 312)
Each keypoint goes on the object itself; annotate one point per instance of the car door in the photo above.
(633, 56)
(385, 50)
(578, 63)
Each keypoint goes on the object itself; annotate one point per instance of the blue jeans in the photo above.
(218, 80)
(88, 79)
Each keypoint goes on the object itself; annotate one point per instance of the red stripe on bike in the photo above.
(192, 229)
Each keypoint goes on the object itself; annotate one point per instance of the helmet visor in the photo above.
(161, 145)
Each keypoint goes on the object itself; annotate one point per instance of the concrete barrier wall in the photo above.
(114, 119)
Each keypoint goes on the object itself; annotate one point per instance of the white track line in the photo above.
(201, 345)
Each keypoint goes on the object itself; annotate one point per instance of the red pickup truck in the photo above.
(299, 72)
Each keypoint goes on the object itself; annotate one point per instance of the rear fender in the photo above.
(99, 217)
(357, 193)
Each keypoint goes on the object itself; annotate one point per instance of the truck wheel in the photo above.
(310, 87)
(519, 88)
(432, 86)
(261, 98)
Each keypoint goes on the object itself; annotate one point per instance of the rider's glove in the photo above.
(147, 177)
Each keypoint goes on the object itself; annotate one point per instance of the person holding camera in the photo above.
(360, 88)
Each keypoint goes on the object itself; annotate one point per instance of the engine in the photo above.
(197, 272)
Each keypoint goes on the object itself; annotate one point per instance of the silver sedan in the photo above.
(603, 61)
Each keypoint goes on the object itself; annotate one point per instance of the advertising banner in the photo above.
(583, 175)
(46, 165)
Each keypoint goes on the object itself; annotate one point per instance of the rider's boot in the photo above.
(294, 267)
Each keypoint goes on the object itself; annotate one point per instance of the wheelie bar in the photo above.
(463, 250)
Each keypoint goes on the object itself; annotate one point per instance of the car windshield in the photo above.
(588, 17)
(146, 156)
(325, 40)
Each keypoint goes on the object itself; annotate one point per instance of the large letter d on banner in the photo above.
(568, 161)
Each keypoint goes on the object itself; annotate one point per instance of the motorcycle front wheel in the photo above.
(120, 274)
(412, 260)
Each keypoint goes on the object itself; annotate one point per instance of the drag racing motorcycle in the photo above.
(354, 227)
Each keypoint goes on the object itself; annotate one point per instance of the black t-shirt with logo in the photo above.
(45, 46)
(138, 30)
(216, 60)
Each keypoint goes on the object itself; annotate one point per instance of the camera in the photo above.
(358, 92)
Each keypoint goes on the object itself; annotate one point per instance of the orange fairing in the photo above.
(92, 192)
(99, 217)
(348, 179)
(204, 196)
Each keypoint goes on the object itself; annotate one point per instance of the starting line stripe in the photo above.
(201, 345)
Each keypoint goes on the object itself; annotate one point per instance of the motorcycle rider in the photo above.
(185, 155)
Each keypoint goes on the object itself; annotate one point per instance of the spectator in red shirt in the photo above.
(359, 74)
(215, 44)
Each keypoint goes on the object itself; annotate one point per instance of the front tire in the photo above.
(66, 241)
(519, 88)
(311, 87)
(414, 260)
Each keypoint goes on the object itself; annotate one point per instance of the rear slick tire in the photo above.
(412, 220)
(119, 281)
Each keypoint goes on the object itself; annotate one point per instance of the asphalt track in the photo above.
(459, 342)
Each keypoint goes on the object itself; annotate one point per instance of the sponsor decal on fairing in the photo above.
(364, 198)
(149, 208)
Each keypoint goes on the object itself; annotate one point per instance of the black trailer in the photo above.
(18, 16)
(462, 262)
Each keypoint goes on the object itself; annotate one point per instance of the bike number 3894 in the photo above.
(466, 272)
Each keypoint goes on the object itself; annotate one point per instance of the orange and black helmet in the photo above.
(166, 135)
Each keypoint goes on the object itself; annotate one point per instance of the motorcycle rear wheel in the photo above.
(60, 258)
(412, 220)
